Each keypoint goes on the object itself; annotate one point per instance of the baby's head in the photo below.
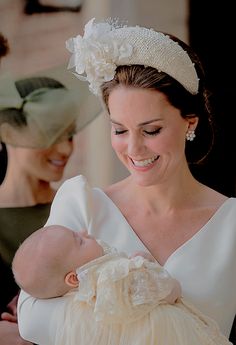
(45, 264)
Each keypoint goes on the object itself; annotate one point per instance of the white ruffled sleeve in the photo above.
(72, 206)
(39, 319)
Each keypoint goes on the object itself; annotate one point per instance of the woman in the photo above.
(26, 192)
(153, 88)
(9, 332)
(37, 121)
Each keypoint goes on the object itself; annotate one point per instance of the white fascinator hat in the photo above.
(107, 45)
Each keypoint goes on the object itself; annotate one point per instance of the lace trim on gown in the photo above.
(121, 288)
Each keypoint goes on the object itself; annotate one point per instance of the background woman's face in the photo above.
(44, 164)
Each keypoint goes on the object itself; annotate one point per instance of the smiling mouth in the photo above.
(58, 163)
(145, 162)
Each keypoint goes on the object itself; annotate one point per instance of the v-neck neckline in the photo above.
(183, 245)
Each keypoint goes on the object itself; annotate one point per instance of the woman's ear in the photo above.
(192, 122)
(71, 279)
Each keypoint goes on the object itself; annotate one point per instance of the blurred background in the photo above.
(37, 31)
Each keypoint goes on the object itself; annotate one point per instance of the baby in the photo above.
(114, 299)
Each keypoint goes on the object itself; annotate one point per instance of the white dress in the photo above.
(205, 265)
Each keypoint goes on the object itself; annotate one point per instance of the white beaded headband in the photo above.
(104, 46)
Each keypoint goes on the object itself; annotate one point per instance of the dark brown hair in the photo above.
(4, 47)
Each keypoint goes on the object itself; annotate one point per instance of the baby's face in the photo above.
(84, 248)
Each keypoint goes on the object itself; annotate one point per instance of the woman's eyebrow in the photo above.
(140, 124)
(115, 122)
(150, 121)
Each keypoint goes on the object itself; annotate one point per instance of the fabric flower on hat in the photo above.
(106, 45)
(94, 55)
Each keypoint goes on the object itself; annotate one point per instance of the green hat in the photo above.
(37, 112)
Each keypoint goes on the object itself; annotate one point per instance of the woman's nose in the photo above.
(65, 147)
(135, 145)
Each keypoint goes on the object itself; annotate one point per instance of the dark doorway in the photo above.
(212, 35)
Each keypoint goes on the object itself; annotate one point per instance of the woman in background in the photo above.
(26, 192)
(37, 121)
(9, 333)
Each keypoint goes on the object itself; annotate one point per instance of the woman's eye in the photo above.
(119, 131)
(155, 132)
(70, 138)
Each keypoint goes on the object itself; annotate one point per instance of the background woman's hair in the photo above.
(4, 50)
(4, 47)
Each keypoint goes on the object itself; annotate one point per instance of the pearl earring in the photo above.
(190, 135)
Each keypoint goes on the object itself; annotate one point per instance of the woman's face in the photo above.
(44, 164)
(148, 134)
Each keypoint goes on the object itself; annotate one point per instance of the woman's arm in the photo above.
(38, 319)
(9, 334)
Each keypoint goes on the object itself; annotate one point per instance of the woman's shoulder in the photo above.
(222, 208)
(74, 204)
(229, 205)
(214, 199)
(221, 200)
(73, 186)
(73, 181)
(116, 190)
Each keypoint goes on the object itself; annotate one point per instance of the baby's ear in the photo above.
(71, 279)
